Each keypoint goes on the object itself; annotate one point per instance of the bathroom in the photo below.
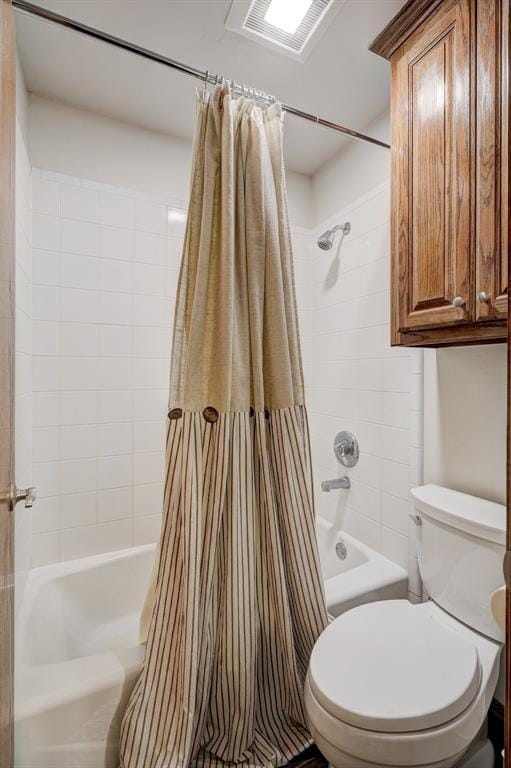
(373, 429)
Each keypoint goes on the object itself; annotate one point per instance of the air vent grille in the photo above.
(295, 42)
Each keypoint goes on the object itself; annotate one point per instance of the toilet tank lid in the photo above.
(478, 517)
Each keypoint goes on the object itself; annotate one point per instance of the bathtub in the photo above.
(362, 576)
(77, 655)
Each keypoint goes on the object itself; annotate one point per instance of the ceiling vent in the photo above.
(252, 18)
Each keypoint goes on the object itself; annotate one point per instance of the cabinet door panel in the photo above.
(431, 172)
(492, 178)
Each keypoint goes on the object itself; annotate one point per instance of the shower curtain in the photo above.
(237, 601)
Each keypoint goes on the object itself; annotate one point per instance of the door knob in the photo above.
(28, 495)
(458, 302)
(483, 297)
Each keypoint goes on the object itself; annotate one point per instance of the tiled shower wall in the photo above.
(105, 268)
(356, 381)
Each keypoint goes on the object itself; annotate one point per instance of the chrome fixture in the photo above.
(416, 519)
(341, 550)
(458, 302)
(338, 482)
(326, 240)
(28, 495)
(97, 34)
(346, 448)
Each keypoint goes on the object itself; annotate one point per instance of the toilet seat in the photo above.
(468, 692)
(396, 669)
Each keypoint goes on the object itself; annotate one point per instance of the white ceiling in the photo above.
(341, 80)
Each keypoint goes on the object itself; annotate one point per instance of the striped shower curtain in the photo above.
(237, 598)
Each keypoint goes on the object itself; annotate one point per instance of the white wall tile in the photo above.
(148, 467)
(47, 518)
(146, 530)
(115, 340)
(115, 373)
(78, 475)
(45, 337)
(78, 271)
(45, 302)
(116, 439)
(116, 534)
(46, 267)
(45, 232)
(150, 217)
(79, 237)
(115, 210)
(78, 542)
(45, 548)
(115, 504)
(148, 499)
(79, 407)
(116, 275)
(79, 441)
(45, 196)
(148, 436)
(45, 445)
(78, 306)
(149, 248)
(115, 308)
(79, 203)
(115, 406)
(45, 374)
(115, 243)
(78, 373)
(45, 409)
(78, 339)
(78, 509)
(115, 471)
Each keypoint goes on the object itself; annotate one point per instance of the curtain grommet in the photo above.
(175, 413)
(266, 414)
(210, 414)
(251, 412)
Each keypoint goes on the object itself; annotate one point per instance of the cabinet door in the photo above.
(492, 177)
(431, 178)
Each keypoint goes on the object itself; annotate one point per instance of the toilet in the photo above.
(396, 684)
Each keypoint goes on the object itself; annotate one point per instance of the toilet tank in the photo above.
(461, 546)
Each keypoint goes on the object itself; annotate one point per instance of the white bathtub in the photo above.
(77, 655)
(363, 577)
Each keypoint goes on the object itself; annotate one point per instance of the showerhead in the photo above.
(326, 240)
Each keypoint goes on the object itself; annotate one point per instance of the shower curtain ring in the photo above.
(205, 82)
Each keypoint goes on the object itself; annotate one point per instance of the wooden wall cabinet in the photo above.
(449, 217)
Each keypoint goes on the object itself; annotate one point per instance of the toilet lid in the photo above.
(392, 667)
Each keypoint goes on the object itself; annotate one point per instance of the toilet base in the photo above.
(480, 755)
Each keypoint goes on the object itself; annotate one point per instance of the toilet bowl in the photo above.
(395, 684)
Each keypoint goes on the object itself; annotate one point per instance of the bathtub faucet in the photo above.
(339, 482)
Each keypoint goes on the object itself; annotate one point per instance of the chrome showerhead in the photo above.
(326, 240)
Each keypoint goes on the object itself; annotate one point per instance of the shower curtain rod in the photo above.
(206, 77)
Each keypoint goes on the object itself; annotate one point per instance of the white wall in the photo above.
(84, 144)
(23, 344)
(356, 169)
(105, 274)
(356, 381)
(465, 420)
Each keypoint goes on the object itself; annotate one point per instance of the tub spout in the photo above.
(339, 482)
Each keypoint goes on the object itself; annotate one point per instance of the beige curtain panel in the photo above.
(237, 599)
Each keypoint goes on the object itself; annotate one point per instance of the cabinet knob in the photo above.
(458, 302)
(483, 297)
